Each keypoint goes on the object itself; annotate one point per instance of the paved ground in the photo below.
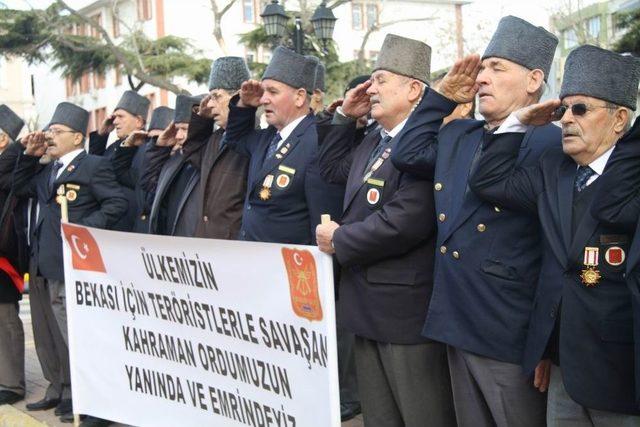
(17, 415)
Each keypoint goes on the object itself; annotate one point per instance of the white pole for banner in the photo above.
(325, 219)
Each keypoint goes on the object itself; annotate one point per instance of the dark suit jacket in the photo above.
(99, 203)
(292, 212)
(595, 325)
(385, 248)
(98, 147)
(483, 298)
(222, 187)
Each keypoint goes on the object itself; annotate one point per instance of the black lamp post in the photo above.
(275, 22)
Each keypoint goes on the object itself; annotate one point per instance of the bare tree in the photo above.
(378, 26)
(218, 13)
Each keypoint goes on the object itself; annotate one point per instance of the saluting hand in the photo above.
(168, 136)
(250, 93)
(324, 236)
(538, 114)
(136, 138)
(204, 110)
(331, 109)
(459, 85)
(107, 126)
(357, 102)
(35, 144)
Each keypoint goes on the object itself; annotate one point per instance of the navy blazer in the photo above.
(99, 203)
(292, 212)
(595, 325)
(385, 249)
(487, 257)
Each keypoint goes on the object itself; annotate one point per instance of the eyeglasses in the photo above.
(56, 132)
(577, 110)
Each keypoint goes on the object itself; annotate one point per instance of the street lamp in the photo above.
(275, 19)
(275, 22)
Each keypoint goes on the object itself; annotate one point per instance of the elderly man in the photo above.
(129, 116)
(385, 245)
(488, 257)
(582, 318)
(12, 265)
(223, 172)
(285, 194)
(95, 200)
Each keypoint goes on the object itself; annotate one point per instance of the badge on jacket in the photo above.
(285, 176)
(374, 191)
(590, 275)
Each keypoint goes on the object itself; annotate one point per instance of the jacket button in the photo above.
(443, 249)
(497, 209)
(442, 217)
(143, 217)
(481, 228)
(205, 218)
(249, 207)
(456, 254)
(438, 186)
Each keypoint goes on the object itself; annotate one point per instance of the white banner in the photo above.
(169, 331)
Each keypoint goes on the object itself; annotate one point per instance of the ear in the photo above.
(535, 80)
(139, 122)
(620, 119)
(300, 98)
(415, 91)
(78, 139)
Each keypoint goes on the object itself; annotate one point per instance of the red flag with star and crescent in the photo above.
(85, 253)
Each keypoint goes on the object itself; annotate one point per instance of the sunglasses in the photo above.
(577, 110)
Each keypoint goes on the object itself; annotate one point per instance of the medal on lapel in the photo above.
(283, 150)
(590, 275)
(60, 194)
(265, 192)
(376, 165)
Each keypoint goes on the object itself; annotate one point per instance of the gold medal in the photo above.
(265, 192)
(590, 275)
(72, 195)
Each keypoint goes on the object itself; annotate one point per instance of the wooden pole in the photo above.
(64, 205)
(325, 219)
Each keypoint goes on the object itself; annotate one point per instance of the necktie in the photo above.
(582, 176)
(384, 143)
(54, 174)
(273, 146)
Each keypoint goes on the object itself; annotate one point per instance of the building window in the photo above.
(118, 72)
(98, 20)
(248, 11)
(570, 38)
(71, 87)
(593, 27)
(356, 16)
(84, 83)
(144, 10)
(115, 22)
(372, 15)
(99, 80)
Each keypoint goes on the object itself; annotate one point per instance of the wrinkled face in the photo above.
(503, 88)
(219, 104)
(125, 123)
(181, 135)
(591, 134)
(390, 98)
(61, 140)
(282, 103)
(4, 141)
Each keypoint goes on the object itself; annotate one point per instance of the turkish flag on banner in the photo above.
(15, 277)
(85, 253)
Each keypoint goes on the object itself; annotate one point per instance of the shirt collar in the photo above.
(286, 131)
(68, 158)
(396, 130)
(599, 164)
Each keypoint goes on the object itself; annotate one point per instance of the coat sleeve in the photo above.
(8, 162)
(335, 150)
(415, 148)
(155, 158)
(113, 203)
(498, 180)
(97, 143)
(322, 198)
(123, 166)
(240, 133)
(618, 200)
(22, 182)
(401, 224)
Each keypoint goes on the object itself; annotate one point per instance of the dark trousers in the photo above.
(11, 349)
(404, 385)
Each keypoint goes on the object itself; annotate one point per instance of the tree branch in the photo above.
(338, 3)
(377, 27)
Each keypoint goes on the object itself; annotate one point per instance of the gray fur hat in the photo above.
(602, 74)
(134, 103)
(184, 107)
(292, 69)
(160, 118)
(320, 72)
(228, 72)
(407, 57)
(10, 123)
(518, 41)
(68, 114)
